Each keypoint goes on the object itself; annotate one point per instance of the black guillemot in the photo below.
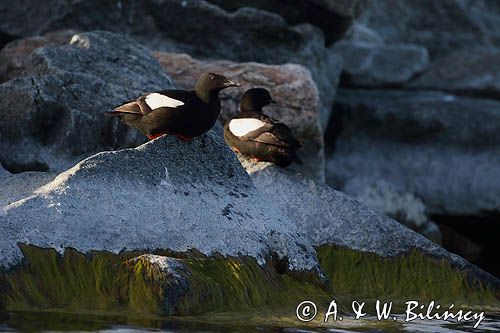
(253, 134)
(185, 114)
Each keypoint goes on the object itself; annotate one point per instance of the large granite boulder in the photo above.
(470, 71)
(53, 112)
(440, 26)
(247, 34)
(165, 194)
(290, 85)
(439, 147)
(371, 65)
(331, 218)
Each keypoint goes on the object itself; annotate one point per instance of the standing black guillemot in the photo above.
(185, 114)
(253, 134)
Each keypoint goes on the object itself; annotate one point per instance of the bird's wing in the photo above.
(264, 130)
(280, 135)
(165, 99)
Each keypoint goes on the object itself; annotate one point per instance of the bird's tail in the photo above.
(127, 108)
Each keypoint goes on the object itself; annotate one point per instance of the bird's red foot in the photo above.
(183, 137)
(154, 136)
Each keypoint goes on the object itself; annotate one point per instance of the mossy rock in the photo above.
(191, 283)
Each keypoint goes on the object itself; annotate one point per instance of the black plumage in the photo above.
(185, 114)
(253, 134)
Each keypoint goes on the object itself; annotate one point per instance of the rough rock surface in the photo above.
(248, 34)
(471, 71)
(332, 16)
(441, 26)
(290, 85)
(164, 194)
(359, 33)
(14, 55)
(442, 148)
(368, 65)
(327, 216)
(17, 186)
(53, 114)
(401, 206)
(3, 172)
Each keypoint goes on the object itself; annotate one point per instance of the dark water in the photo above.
(65, 322)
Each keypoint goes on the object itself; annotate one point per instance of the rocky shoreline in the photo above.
(93, 216)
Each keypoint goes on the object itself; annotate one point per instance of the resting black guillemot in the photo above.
(185, 114)
(253, 134)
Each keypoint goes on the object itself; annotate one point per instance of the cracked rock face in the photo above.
(162, 195)
(53, 113)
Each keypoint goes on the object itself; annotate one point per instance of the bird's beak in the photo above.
(230, 83)
(272, 101)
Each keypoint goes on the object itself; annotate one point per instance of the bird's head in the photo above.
(213, 82)
(255, 99)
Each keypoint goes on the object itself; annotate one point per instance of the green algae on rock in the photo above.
(150, 284)
(414, 275)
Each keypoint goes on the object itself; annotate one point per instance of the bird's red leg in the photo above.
(183, 137)
(154, 136)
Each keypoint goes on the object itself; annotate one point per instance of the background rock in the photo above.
(473, 71)
(249, 34)
(401, 206)
(440, 147)
(368, 65)
(290, 85)
(162, 195)
(54, 112)
(332, 16)
(441, 26)
(14, 55)
(358, 33)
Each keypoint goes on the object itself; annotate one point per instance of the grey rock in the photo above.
(14, 55)
(369, 65)
(17, 186)
(248, 34)
(332, 16)
(471, 71)
(54, 112)
(441, 26)
(292, 87)
(173, 273)
(330, 217)
(3, 172)
(361, 34)
(404, 207)
(440, 147)
(165, 194)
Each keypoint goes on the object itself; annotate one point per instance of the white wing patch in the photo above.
(155, 101)
(240, 127)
